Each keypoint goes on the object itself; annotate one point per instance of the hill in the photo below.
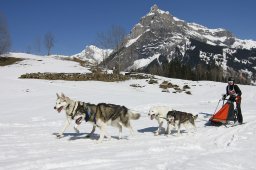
(28, 124)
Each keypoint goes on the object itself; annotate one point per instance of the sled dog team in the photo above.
(102, 115)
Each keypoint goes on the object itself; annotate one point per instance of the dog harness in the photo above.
(84, 109)
(88, 116)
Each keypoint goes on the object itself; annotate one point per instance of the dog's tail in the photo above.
(133, 115)
(195, 117)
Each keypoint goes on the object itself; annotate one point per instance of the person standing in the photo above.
(234, 93)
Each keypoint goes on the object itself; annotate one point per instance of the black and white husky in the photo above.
(178, 118)
(101, 115)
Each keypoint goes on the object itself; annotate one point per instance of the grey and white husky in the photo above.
(177, 118)
(101, 115)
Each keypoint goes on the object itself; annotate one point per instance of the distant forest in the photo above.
(176, 69)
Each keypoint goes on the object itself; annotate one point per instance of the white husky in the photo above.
(64, 103)
(160, 114)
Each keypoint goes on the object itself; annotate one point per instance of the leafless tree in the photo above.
(37, 44)
(105, 54)
(28, 50)
(5, 41)
(111, 39)
(49, 42)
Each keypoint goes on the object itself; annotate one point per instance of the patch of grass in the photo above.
(4, 61)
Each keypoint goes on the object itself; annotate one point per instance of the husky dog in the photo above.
(159, 113)
(100, 115)
(175, 117)
(70, 107)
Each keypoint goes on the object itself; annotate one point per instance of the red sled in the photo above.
(224, 115)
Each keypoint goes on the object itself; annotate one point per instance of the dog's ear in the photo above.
(58, 96)
(63, 95)
(173, 112)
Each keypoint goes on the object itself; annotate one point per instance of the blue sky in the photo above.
(76, 23)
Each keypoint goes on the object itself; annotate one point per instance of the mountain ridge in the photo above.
(160, 34)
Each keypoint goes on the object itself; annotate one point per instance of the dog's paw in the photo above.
(87, 136)
(76, 130)
(98, 141)
(156, 133)
(59, 136)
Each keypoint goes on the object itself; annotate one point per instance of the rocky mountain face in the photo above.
(160, 37)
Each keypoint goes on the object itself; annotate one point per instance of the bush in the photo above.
(186, 87)
(152, 81)
(188, 92)
(165, 85)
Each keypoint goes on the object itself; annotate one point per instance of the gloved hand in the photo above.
(224, 96)
(238, 99)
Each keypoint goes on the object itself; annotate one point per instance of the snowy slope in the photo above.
(28, 122)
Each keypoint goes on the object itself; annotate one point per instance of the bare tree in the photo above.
(111, 39)
(37, 44)
(5, 41)
(28, 50)
(49, 42)
(105, 54)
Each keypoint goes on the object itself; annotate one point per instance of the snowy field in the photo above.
(28, 123)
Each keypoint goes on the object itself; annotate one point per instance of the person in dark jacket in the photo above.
(234, 93)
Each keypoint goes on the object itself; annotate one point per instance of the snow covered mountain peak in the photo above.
(155, 9)
(160, 37)
(93, 54)
(158, 19)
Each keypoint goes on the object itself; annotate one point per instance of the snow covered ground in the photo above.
(28, 123)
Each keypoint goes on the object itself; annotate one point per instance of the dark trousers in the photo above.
(239, 113)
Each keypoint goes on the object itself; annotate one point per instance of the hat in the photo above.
(231, 80)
